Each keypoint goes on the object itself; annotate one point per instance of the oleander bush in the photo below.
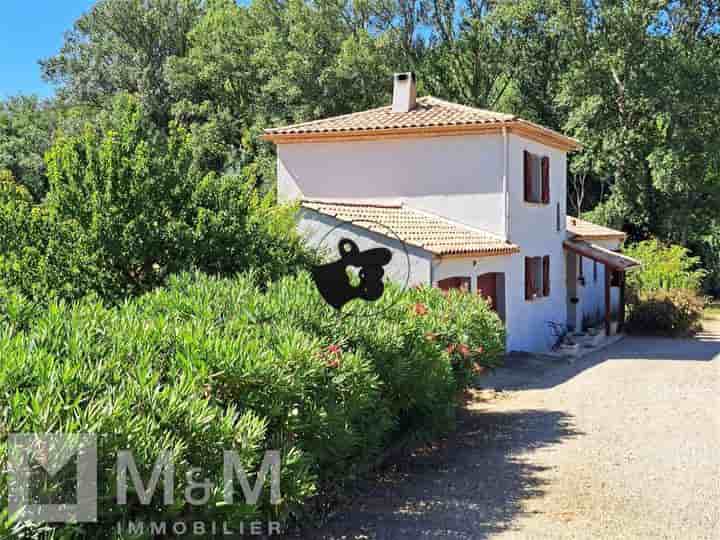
(206, 365)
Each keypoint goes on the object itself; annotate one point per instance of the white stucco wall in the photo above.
(325, 232)
(593, 293)
(508, 265)
(524, 321)
(533, 227)
(457, 177)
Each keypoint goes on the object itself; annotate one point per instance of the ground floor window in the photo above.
(537, 277)
(458, 282)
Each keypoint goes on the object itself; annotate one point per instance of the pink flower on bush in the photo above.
(333, 353)
(464, 350)
(334, 363)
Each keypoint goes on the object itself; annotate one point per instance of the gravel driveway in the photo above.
(621, 444)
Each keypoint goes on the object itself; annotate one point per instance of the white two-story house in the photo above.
(464, 198)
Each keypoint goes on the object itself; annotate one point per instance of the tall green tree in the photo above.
(26, 128)
(637, 82)
(127, 207)
(639, 93)
(122, 46)
(275, 62)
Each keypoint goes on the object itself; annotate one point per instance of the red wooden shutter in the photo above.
(546, 180)
(528, 278)
(445, 284)
(527, 172)
(546, 275)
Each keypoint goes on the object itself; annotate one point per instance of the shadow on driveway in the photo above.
(537, 372)
(474, 485)
(469, 487)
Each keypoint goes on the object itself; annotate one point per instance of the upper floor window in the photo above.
(536, 171)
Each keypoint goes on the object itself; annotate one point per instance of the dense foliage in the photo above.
(676, 312)
(26, 128)
(126, 207)
(664, 294)
(147, 162)
(207, 365)
(638, 83)
(664, 267)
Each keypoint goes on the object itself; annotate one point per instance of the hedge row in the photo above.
(208, 365)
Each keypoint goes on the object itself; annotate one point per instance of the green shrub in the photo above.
(677, 312)
(127, 208)
(663, 293)
(11, 190)
(44, 256)
(708, 249)
(208, 365)
(664, 267)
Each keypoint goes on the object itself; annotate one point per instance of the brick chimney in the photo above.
(404, 92)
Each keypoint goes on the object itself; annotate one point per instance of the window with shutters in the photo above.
(458, 282)
(537, 277)
(536, 172)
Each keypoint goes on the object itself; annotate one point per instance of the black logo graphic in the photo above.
(333, 281)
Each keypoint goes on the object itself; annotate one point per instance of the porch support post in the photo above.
(607, 300)
(621, 315)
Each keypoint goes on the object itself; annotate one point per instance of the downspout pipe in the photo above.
(506, 193)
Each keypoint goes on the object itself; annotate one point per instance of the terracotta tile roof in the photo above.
(603, 255)
(430, 113)
(414, 227)
(584, 230)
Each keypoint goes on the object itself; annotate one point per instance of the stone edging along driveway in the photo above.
(624, 443)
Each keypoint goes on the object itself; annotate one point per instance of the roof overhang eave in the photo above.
(520, 127)
(595, 237)
(602, 255)
(475, 254)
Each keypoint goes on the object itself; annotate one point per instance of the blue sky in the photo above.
(31, 30)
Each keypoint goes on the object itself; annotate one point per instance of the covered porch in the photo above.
(596, 286)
